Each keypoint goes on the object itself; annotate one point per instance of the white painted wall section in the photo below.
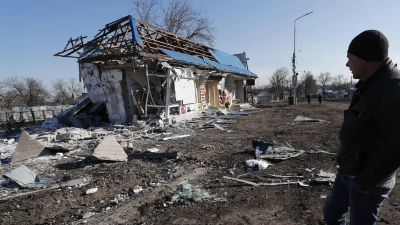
(92, 82)
(239, 90)
(230, 86)
(105, 87)
(185, 86)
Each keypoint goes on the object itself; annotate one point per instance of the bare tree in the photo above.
(146, 10)
(27, 91)
(278, 80)
(323, 79)
(7, 97)
(176, 16)
(339, 81)
(66, 91)
(310, 84)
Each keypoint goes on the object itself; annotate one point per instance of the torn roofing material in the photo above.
(227, 59)
(228, 68)
(21, 175)
(205, 62)
(184, 57)
(128, 37)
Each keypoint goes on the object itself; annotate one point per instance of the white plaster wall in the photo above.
(92, 82)
(105, 87)
(111, 80)
(239, 90)
(185, 86)
(230, 85)
(185, 90)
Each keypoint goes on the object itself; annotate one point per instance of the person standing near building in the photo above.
(308, 99)
(369, 154)
(320, 99)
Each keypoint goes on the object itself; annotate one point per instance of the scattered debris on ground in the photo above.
(222, 172)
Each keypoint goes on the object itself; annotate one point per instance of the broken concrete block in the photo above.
(109, 150)
(73, 135)
(98, 135)
(27, 148)
(47, 137)
(62, 130)
(88, 215)
(10, 141)
(152, 150)
(262, 165)
(91, 191)
(68, 136)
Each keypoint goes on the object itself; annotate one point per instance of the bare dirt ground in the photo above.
(204, 158)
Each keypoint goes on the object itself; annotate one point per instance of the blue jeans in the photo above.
(364, 207)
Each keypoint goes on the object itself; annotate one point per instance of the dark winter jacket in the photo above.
(370, 133)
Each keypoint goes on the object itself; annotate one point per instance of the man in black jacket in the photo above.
(369, 154)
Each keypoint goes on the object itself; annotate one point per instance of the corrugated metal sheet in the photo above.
(184, 57)
(228, 68)
(206, 62)
(135, 35)
(227, 59)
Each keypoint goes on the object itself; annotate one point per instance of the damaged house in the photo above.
(137, 70)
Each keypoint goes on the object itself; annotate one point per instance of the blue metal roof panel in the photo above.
(135, 35)
(205, 62)
(227, 59)
(184, 57)
(227, 67)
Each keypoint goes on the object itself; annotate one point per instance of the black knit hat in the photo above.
(370, 45)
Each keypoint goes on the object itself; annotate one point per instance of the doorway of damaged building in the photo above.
(220, 93)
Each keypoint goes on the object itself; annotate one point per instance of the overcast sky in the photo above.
(33, 31)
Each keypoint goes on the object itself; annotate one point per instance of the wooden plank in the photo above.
(240, 180)
(149, 55)
(261, 184)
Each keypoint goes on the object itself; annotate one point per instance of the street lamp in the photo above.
(294, 78)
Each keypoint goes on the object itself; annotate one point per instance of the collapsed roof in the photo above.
(128, 39)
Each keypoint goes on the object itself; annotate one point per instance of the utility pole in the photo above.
(294, 78)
